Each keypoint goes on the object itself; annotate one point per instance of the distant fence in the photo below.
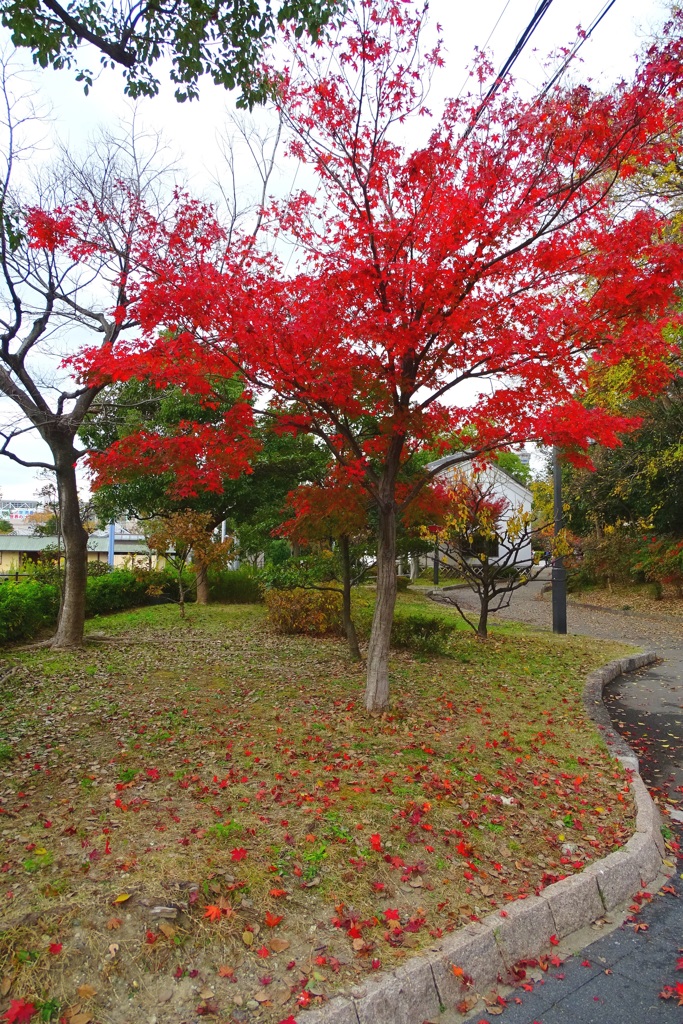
(6, 576)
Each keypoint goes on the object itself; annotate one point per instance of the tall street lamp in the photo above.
(559, 573)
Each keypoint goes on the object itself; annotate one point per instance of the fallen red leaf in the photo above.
(19, 1011)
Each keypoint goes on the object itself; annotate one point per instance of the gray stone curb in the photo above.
(418, 990)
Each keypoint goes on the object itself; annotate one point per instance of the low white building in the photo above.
(501, 485)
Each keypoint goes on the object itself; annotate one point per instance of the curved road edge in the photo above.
(419, 990)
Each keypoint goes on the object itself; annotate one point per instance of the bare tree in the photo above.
(52, 302)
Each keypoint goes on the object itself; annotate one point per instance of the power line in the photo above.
(519, 46)
(577, 46)
(488, 40)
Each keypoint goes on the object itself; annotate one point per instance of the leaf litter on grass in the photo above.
(214, 798)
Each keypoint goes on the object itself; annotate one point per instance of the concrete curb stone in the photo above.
(526, 930)
(475, 951)
(574, 902)
(484, 951)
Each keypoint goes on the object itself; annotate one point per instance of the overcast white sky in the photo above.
(192, 128)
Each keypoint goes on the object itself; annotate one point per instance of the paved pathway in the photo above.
(617, 980)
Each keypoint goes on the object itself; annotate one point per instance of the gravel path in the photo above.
(532, 606)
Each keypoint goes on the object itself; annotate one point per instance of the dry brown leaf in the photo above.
(5, 985)
(465, 1005)
(281, 995)
(167, 929)
(248, 938)
(261, 997)
(358, 944)
(75, 1015)
(113, 949)
(225, 971)
(113, 923)
(206, 993)
(278, 945)
(86, 992)
(486, 890)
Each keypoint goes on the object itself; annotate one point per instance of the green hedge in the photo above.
(235, 586)
(25, 608)
(123, 588)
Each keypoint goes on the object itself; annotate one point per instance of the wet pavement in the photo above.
(620, 978)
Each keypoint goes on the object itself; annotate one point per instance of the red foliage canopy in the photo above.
(448, 298)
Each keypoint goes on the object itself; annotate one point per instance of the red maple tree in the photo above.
(452, 298)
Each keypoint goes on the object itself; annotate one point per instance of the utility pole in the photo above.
(559, 573)
(110, 551)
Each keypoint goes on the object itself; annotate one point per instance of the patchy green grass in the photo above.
(231, 776)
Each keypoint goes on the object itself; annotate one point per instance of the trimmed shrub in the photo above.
(238, 586)
(402, 583)
(311, 612)
(423, 632)
(25, 608)
(115, 591)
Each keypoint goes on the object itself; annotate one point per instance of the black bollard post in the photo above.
(559, 573)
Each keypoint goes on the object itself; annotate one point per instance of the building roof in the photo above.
(122, 545)
(496, 472)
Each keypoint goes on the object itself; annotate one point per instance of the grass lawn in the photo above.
(231, 777)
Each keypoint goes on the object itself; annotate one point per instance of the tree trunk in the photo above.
(349, 627)
(72, 613)
(202, 585)
(377, 687)
(482, 627)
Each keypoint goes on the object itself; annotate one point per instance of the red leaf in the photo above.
(239, 853)
(213, 912)
(55, 948)
(273, 919)
(263, 952)
(19, 1011)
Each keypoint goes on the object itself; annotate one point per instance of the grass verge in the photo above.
(199, 817)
